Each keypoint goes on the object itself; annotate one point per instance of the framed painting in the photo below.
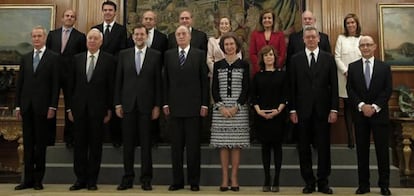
(396, 35)
(18, 20)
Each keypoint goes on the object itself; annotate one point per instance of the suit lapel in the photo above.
(361, 76)
(41, 62)
(83, 66)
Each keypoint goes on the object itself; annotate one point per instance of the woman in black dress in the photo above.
(269, 97)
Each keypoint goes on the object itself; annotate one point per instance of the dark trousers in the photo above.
(35, 142)
(185, 132)
(267, 148)
(115, 130)
(136, 127)
(314, 131)
(87, 152)
(381, 133)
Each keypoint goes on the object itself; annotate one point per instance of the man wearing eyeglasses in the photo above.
(369, 88)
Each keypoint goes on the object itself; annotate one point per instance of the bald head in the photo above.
(149, 19)
(308, 19)
(68, 18)
(367, 46)
(94, 40)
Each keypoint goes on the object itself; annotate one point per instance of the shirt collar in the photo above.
(371, 60)
(316, 51)
(186, 49)
(110, 24)
(96, 54)
(43, 49)
(143, 50)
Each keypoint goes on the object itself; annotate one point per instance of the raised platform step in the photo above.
(59, 165)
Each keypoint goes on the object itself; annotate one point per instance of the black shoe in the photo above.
(224, 188)
(69, 145)
(77, 186)
(195, 188)
(235, 188)
(362, 190)
(37, 186)
(124, 186)
(385, 191)
(308, 189)
(175, 187)
(325, 189)
(23, 186)
(116, 144)
(266, 188)
(275, 189)
(92, 187)
(146, 186)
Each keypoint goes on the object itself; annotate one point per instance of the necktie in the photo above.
(36, 60)
(138, 62)
(89, 73)
(106, 33)
(65, 37)
(367, 73)
(181, 58)
(149, 39)
(313, 62)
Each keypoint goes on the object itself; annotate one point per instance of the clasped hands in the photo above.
(228, 112)
(368, 110)
(268, 114)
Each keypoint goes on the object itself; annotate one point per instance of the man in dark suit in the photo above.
(296, 44)
(115, 37)
(66, 41)
(198, 38)
(369, 88)
(115, 34)
(37, 91)
(313, 105)
(185, 100)
(137, 101)
(89, 107)
(156, 40)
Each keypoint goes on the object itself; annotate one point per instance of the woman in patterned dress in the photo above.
(269, 97)
(230, 123)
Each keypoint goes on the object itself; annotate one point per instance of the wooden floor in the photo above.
(110, 190)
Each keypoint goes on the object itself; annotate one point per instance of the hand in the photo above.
(262, 113)
(346, 74)
(274, 113)
(294, 118)
(18, 115)
(166, 111)
(368, 110)
(70, 116)
(51, 113)
(333, 116)
(107, 117)
(119, 112)
(233, 111)
(225, 112)
(203, 112)
(155, 113)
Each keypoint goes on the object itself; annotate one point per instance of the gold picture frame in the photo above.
(396, 35)
(18, 20)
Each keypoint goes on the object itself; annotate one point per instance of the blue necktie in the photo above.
(89, 73)
(138, 62)
(181, 58)
(36, 60)
(367, 73)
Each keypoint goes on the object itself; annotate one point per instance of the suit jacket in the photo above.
(76, 42)
(258, 41)
(117, 38)
(378, 93)
(296, 44)
(159, 42)
(198, 40)
(315, 88)
(40, 89)
(97, 94)
(141, 91)
(186, 88)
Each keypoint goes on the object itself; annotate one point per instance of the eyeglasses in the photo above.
(365, 45)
